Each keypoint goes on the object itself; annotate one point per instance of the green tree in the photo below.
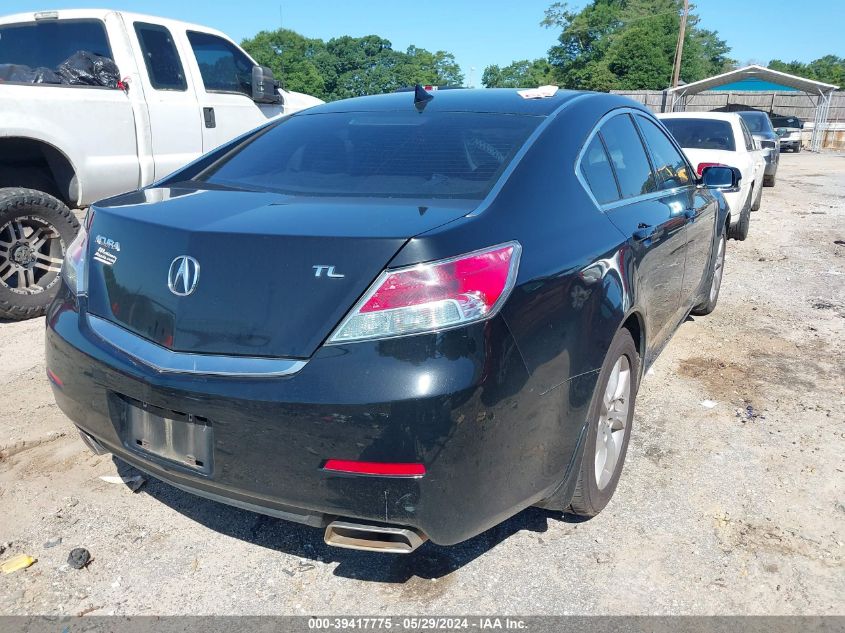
(829, 69)
(301, 64)
(629, 44)
(520, 74)
(349, 66)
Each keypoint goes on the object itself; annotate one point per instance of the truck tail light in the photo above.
(433, 296)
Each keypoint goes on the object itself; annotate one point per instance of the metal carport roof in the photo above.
(818, 89)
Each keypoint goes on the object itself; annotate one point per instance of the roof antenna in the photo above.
(421, 98)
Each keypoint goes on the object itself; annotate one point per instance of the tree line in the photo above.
(606, 45)
(349, 66)
(630, 45)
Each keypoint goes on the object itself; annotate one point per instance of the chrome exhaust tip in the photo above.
(374, 538)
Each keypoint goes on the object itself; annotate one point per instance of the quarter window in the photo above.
(161, 58)
(223, 66)
(596, 169)
(628, 157)
(671, 168)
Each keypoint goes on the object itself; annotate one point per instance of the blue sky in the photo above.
(495, 31)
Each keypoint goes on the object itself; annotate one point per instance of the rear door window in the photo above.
(160, 56)
(596, 170)
(223, 66)
(671, 167)
(48, 43)
(628, 157)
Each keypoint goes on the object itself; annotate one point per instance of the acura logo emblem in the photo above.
(183, 275)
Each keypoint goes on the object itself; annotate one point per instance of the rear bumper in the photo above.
(460, 402)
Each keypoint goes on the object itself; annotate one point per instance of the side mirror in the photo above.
(720, 177)
(801, 125)
(264, 87)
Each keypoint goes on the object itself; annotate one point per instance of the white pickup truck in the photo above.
(94, 103)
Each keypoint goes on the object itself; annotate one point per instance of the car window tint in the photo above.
(702, 133)
(48, 43)
(381, 154)
(224, 68)
(161, 58)
(670, 166)
(596, 169)
(627, 154)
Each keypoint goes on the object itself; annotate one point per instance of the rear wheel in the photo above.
(758, 200)
(35, 230)
(716, 272)
(739, 231)
(797, 148)
(609, 428)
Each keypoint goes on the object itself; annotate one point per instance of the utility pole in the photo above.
(679, 49)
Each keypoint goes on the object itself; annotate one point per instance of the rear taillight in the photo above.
(433, 296)
(702, 166)
(75, 265)
(73, 268)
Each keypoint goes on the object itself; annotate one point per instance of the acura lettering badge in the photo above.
(183, 275)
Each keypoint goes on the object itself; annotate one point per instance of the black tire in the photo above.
(29, 279)
(717, 268)
(797, 148)
(758, 201)
(769, 181)
(739, 231)
(588, 499)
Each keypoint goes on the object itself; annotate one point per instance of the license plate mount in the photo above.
(180, 438)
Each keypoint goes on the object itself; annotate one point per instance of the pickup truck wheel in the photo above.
(35, 230)
(609, 427)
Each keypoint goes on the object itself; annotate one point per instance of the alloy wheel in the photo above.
(31, 254)
(718, 268)
(613, 419)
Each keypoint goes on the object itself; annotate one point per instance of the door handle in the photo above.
(208, 115)
(644, 232)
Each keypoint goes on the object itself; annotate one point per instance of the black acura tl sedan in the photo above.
(396, 318)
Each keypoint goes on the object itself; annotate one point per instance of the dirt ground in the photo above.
(734, 509)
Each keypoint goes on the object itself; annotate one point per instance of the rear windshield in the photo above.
(377, 154)
(702, 133)
(786, 121)
(756, 121)
(50, 42)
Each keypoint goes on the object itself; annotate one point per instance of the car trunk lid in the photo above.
(274, 274)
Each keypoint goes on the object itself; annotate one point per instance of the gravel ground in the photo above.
(734, 509)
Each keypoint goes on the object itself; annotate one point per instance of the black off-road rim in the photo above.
(31, 255)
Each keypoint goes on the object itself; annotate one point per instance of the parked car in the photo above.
(788, 129)
(722, 138)
(761, 128)
(94, 103)
(393, 317)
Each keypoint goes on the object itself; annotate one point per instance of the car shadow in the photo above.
(430, 561)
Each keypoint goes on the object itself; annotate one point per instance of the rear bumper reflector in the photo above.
(382, 469)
